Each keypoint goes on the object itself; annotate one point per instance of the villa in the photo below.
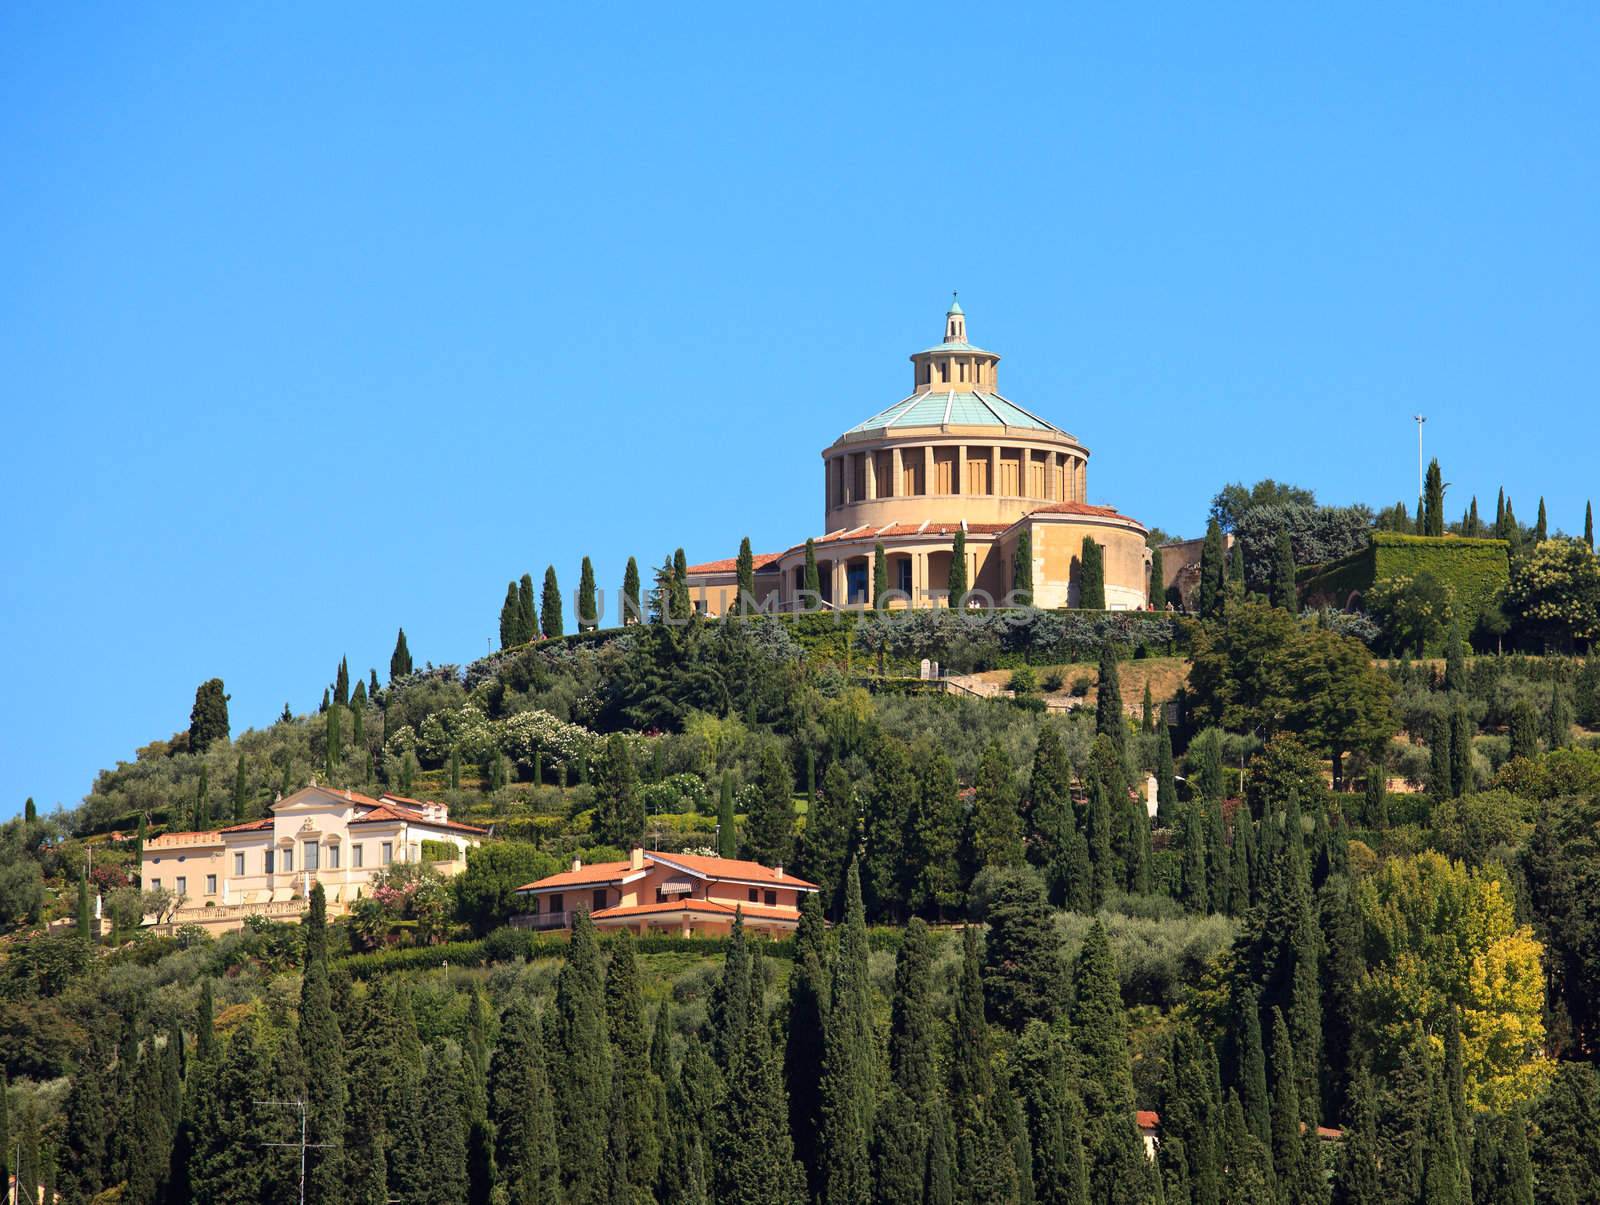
(683, 894)
(267, 867)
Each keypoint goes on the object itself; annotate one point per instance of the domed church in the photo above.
(954, 455)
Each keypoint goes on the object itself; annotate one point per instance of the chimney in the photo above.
(636, 859)
(777, 871)
(577, 865)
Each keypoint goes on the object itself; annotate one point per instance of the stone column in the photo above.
(897, 468)
(994, 470)
(927, 469)
(839, 590)
(870, 460)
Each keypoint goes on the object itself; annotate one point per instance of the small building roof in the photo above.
(952, 408)
(730, 564)
(728, 870)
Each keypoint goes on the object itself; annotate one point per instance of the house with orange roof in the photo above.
(339, 838)
(680, 894)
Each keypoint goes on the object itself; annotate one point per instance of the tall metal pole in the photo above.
(1420, 419)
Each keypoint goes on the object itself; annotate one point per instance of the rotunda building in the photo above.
(955, 455)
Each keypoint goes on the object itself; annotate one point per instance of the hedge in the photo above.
(1474, 571)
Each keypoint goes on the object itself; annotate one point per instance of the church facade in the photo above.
(955, 455)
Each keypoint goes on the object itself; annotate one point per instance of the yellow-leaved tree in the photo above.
(1443, 937)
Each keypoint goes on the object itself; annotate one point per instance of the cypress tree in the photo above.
(996, 830)
(754, 1154)
(1235, 582)
(1166, 777)
(886, 810)
(1043, 1081)
(1056, 845)
(588, 605)
(745, 569)
(1192, 1117)
(956, 584)
(341, 683)
(635, 1149)
(1559, 717)
(804, 1049)
(582, 1090)
(811, 582)
(880, 575)
(1284, 593)
(829, 834)
(1104, 874)
(208, 720)
(1023, 973)
(1091, 576)
(400, 659)
(1439, 758)
(1118, 1169)
(1501, 1171)
(1356, 1180)
(85, 915)
(727, 1013)
(1022, 571)
(1500, 515)
(1433, 500)
(1541, 530)
(1460, 752)
(1194, 890)
(1245, 1156)
(523, 1109)
(1455, 661)
(1251, 1073)
(1588, 525)
(1524, 731)
(618, 805)
(1474, 524)
(510, 618)
(727, 830)
(933, 834)
(1289, 1156)
(769, 827)
(527, 621)
(322, 1048)
(1212, 573)
(1157, 591)
(550, 623)
(1442, 1170)
(983, 1167)
(1109, 719)
(632, 611)
(847, 1090)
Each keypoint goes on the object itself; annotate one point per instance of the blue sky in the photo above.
(318, 320)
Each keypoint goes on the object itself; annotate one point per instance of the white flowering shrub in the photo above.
(530, 732)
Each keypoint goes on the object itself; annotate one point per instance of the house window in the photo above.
(211, 884)
(333, 857)
(903, 575)
(155, 884)
(599, 899)
(772, 899)
(313, 856)
(266, 862)
(557, 904)
(288, 861)
(183, 885)
(388, 852)
(238, 864)
(753, 896)
(355, 855)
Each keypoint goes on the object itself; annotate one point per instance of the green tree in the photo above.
(1432, 517)
(1192, 1118)
(829, 835)
(727, 828)
(804, 1050)
(400, 659)
(1157, 591)
(1213, 574)
(588, 605)
(527, 621)
(486, 890)
(1588, 525)
(1022, 571)
(728, 1011)
(933, 836)
(1566, 1136)
(1023, 974)
(322, 1048)
(634, 1122)
(984, 1167)
(849, 1052)
(1109, 719)
(769, 826)
(1297, 1175)
(1460, 752)
(1166, 776)
(1044, 1082)
(85, 913)
(745, 567)
(1118, 1170)
(1554, 594)
(550, 624)
(811, 582)
(1356, 1181)
(522, 1109)
(957, 582)
(341, 683)
(510, 618)
(1092, 576)
(332, 745)
(1541, 527)
(1284, 593)
(632, 611)
(618, 804)
(1524, 730)
(208, 720)
(996, 830)
(880, 575)
(754, 1154)
(1501, 1168)
(579, 1048)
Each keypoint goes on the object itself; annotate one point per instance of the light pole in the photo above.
(1419, 419)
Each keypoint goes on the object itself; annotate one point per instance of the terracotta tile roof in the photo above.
(596, 872)
(729, 564)
(730, 868)
(716, 907)
(249, 825)
(1080, 508)
(173, 836)
(1147, 1119)
(392, 812)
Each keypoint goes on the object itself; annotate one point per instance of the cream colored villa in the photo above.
(267, 867)
(955, 454)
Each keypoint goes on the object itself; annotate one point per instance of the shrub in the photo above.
(1023, 681)
(1052, 681)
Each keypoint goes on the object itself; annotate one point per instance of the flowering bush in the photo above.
(465, 728)
(523, 735)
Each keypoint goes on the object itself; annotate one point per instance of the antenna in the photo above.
(302, 1144)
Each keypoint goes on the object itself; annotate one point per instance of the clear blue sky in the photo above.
(317, 320)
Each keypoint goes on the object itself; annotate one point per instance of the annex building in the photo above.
(954, 455)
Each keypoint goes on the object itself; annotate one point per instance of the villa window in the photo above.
(599, 899)
(211, 884)
(313, 856)
(903, 575)
(266, 862)
(155, 884)
(183, 885)
(557, 903)
(238, 864)
(288, 861)
(753, 896)
(356, 858)
(333, 857)
(388, 852)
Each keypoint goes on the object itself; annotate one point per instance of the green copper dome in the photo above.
(944, 408)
